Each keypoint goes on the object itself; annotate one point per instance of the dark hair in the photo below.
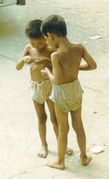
(32, 29)
(54, 24)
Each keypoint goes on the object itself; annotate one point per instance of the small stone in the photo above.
(95, 112)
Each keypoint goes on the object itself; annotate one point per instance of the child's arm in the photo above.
(26, 58)
(56, 77)
(90, 62)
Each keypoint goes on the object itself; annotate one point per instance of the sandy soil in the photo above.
(19, 140)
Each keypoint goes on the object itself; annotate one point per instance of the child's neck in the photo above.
(62, 42)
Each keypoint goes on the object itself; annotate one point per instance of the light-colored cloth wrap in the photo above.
(67, 96)
(41, 91)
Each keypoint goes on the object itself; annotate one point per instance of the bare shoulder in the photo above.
(78, 46)
(27, 50)
(57, 55)
(28, 47)
(83, 49)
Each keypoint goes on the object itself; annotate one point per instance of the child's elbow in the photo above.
(94, 66)
(17, 67)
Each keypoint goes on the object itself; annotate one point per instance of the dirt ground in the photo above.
(87, 23)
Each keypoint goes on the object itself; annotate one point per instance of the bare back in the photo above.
(69, 61)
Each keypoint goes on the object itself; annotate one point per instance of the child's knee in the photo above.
(53, 119)
(64, 130)
(78, 127)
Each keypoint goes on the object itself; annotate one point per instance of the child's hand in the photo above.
(45, 70)
(28, 59)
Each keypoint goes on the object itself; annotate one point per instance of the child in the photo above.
(66, 89)
(37, 54)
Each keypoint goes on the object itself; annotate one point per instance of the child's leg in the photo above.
(50, 104)
(81, 137)
(62, 119)
(53, 116)
(42, 117)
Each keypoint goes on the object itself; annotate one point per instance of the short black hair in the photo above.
(54, 24)
(32, 29)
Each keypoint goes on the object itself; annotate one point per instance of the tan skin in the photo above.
(66, 63)
(36, 50)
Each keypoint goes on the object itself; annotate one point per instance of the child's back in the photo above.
(69, 58)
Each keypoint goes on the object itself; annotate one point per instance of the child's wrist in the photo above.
(24, 60)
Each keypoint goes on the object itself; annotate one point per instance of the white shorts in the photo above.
(67, 96)
(41, 91)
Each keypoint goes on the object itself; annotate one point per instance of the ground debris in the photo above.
(97, 149)
(95, 37)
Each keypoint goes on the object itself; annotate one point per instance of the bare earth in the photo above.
(19, 141)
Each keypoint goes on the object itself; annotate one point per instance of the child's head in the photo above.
(53, 25)
(34, 34)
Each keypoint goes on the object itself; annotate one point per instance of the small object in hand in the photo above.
(45, 62)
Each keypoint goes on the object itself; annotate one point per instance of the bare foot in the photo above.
(43, 151)
(57, 165)
(85, 160)
(69, 151)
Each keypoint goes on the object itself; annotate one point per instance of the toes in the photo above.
(44, 155)
(69, 151)
(56, 166)
(86, 161)
(43, 152)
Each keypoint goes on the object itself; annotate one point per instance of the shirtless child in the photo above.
(66, 89)
(37, 54)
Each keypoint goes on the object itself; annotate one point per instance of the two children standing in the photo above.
(60, 86)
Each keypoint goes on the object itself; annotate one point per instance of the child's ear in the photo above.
(50, 36)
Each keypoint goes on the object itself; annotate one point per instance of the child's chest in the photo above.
(37, 54)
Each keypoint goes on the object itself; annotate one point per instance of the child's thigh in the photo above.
(76, 118)
(40, 109)
(62, 118)
(50, 105)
